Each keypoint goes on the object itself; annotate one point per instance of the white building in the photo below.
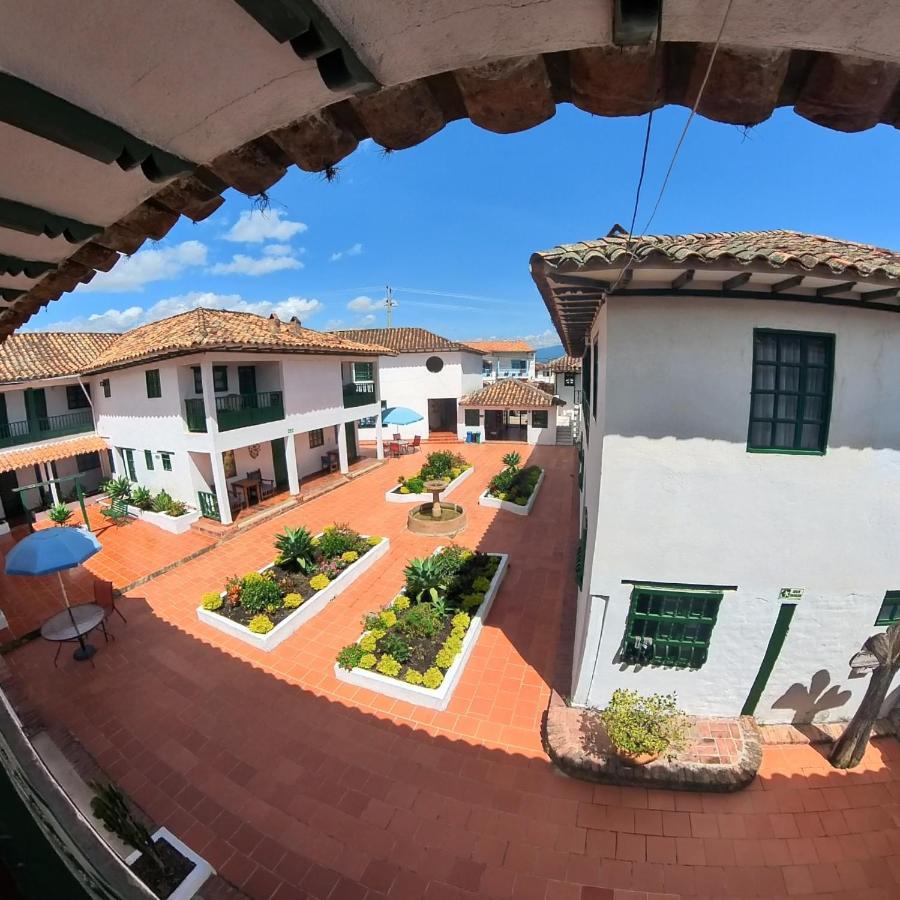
(741, 443)
(509, 410)
(564, 375)
(505, 359)
(426, 373)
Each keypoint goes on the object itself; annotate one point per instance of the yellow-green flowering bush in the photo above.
(374, 540)
(319, 582)
(368, 642)
(412, 677)
(211, 601)
(455, 473)
(261, 624)
(638, 724)
(368, 661)
(388, 618)
(444, 658)
(292, 601)
(378, 633)
(461, 620)
(272, 607)
(433, 678)
(387, 665)
(350, 556)
(403, 490)
(458, 632)
(401, 601)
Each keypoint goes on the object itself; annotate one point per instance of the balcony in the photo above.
(236, 411)
(45, 428)
(359, 393)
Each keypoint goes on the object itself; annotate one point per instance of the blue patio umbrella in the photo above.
(52, 550)
(400, 415)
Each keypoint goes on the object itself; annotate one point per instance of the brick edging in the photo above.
(563, 744)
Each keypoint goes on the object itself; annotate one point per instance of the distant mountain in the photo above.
(546, 353)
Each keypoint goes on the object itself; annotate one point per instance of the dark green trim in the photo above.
(154, 387)
(31, 268)
(166, 458)
(148, 460)
(31, 220)
(889, 613)
(776, 642)
(679, 586)
(785, 452)
(35, 110)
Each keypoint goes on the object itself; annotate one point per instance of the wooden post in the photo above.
(850, 747)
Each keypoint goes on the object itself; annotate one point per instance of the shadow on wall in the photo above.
(808, 702)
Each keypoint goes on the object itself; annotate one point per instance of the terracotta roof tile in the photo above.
(29, 456)
(50, 354)
(403, 340)
(501, 346)
(562, 364)
(510, 393)
(202, 330)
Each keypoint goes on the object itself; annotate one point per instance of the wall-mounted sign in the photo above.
(790, 593)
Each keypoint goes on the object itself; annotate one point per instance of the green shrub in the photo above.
(118, 488)
(296, 549)
(319, 582)
(349, 656)
(177, 508)
(272, 607)
(521, 501)
(258, 592)
(394, 645)
(261, 624)
(636, 724)
(60, 513)
(212, 601)
(433, 678)
(337, 539)
(412, 677)
(419, 621)
(472, 601)
(161, 502)
(292, 600)
(481, 584)
(367, 661)
(414, 485)
(387, 665)
(437, 465)
(141, 497)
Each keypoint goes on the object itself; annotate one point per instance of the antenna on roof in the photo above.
(389, 304)
(616, 230)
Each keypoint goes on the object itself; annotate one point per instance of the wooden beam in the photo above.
(787, 283)
(879, 295)
(732, 284)
(686, 277)
(579, 281)
(841, 288)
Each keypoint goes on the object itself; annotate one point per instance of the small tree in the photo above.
(850, 747)
(111, 808)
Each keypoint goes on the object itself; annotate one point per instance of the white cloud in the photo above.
(355, 250)
(133, 316)
(256, 226)
(367, 320)
(365, 304)
(279, 250)
(275, 258)
(131, 273)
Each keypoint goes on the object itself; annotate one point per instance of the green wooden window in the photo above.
(363, 371)
(220, 379)
(472, 417)
(166, 461)
(539, 418)
(670, 626)
(316, 438)
(148, 460)
(198, 379)
(153, 386)
(594, 372)
(790, 398)
(106, 389)
(582, 549)
(76, 398)
(889, 613)
(87, 462)
(128, 458)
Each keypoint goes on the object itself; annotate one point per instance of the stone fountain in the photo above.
(437, 517)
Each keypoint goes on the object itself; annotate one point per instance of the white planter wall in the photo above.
(494, 503)
(394, 496)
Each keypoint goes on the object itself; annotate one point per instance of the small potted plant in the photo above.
(641, 729)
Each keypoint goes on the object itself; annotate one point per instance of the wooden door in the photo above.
(36, 409)
(351, 441)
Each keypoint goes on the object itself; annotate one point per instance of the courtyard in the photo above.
(293, 784)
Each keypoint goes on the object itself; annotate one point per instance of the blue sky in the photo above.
(450, 224)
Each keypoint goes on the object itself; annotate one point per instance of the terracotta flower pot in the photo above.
(637, 759)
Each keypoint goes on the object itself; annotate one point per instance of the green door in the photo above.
(129, 463)
(36, 409)
(247, 379)
(350, 428)
(776, 642)
(13, 509)
(279, 462)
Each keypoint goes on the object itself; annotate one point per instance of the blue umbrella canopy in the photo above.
(400, 415)
(51, 550)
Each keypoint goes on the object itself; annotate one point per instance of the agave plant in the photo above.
(162, 501)
(512, 460)
(426, 579)
(296, 548)
(141, 497)
(60, 513)
(118, 488)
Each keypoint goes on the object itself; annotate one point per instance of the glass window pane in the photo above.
(812, 409)
(784, 434)
(789, 350)
(787, 406)
(815, 381)
(816, 352)
(763, 406)
(789, 378)
(764, 378)
(766, 346)
(760, 434)
(809, 437)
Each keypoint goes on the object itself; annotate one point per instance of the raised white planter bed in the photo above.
(306, 611)
(198, 875)
(437, 698)
(394, 495)
(493, 503)
(172, 524)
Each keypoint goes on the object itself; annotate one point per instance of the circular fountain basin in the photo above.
(421, 519)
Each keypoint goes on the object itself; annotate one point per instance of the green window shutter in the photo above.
(790, 393)
(670, 626)
(473, 417)
(889, 614)
(220, 379)
(106, 389)
(129, 463)
(148, 460)
(75, 396)
(198, 379)
(153, 386)
(166, 461)
(539, 418)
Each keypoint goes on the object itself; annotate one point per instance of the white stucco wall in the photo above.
(501, 365)
(533, 435)
(568, 394)
(682, 501)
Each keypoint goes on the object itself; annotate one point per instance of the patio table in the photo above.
(59, 628)
(245, 485)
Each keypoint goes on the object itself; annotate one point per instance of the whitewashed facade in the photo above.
(505, 359)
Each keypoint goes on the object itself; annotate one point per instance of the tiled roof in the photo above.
(403, 340)
(777, 248)
(201, 330)
(562, 364)
(501, 346)
(49, 354)
(510, 393)
(29, 456)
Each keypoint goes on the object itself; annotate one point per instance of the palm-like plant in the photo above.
(118, 488)
(512, 460)
(296, 548)
(426, 579)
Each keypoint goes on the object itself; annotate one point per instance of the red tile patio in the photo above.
(295, 785)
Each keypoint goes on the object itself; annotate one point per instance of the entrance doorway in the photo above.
(352, 452)
(505, 425)
(279, 462)
(13, 508)
(442, 414)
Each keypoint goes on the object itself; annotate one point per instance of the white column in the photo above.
(379, 440)
(221, 485)
(290, 456)
(342, 448)
(49, 474)
(209, 398)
